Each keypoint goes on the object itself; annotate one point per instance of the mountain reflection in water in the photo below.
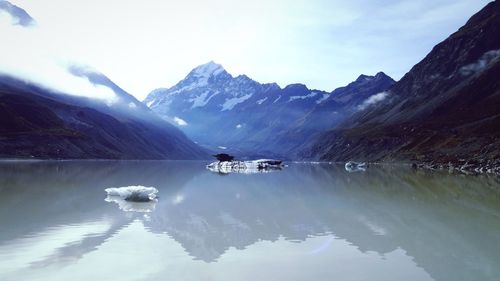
(53, 216)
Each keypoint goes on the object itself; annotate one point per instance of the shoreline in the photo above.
(467, 167)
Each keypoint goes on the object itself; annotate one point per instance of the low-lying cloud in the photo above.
(481, 63)
(373, 100)
(27, 55)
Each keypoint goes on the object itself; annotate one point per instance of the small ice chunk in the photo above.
(352, 166)
(137, 193)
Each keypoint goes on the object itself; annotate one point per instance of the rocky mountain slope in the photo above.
(446, 109)
(221, 111)
(39, 123)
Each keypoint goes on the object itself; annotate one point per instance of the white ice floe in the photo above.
(246, 167)
(137, 193)
(140, 199)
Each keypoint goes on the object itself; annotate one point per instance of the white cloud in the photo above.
(481, 63)
(25, 54)
(373, 100)
(322, 43)
(239, 126)
(179, 121)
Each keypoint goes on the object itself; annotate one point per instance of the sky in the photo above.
(148, 44)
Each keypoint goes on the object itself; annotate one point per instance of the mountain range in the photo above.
(445, 110)
(238, 114)
(36, 122)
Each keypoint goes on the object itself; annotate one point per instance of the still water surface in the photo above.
(306, 222)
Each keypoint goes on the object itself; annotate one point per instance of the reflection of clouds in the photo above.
(128, 206)
(376, 229)
(178, 199)
(324, 246)
(380, 212)
(51, 245)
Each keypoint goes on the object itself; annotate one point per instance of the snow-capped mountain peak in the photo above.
(208, 69)
(218, 109)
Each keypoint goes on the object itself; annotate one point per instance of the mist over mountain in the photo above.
(220, 111)
(40, 123)
(445, 109)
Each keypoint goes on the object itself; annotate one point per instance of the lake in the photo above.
(305, 222)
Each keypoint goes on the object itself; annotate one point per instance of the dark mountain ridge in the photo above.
(445, 109)
(39, 123)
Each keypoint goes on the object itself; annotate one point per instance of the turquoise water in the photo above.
(305, 222)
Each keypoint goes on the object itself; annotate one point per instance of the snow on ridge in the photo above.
(310, 95)
(202, 100)
(323, 98)
(232, 102)
(179, 121)
(259, 102)
(208, 69)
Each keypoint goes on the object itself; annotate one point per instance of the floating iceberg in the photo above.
(352, 166)
(133, 198)
(137, 193)
(246, 167)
